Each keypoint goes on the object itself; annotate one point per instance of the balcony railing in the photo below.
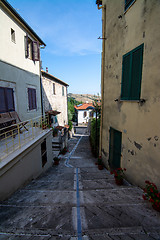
(17, 135)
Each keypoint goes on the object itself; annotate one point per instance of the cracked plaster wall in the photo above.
(139, 123)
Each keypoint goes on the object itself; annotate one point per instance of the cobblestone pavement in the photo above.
(75, 200)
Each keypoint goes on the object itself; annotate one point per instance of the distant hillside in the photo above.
(83, 97)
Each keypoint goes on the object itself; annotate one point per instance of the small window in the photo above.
(13, 37)
(62, 91)
(32, 98)
(132, 74)
(91, 114)
(6, 100)
(54, 92)
(128, 3)
(85, 114)
(44, 152)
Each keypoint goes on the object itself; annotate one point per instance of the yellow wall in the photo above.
(139, 123)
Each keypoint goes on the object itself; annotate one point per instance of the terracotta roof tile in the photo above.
(84, 106)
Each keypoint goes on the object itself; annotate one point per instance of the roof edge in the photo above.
(54, 78)
(17, 15)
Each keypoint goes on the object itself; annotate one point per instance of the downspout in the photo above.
(67, 103)
(41, 92)
(103, 7)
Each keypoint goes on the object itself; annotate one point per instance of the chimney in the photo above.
(47, 69)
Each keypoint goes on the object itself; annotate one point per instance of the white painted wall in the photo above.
(23, 165)
(81, 118)
(14, 52)
(16, 70)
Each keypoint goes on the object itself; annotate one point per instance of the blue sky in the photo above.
(70, 29)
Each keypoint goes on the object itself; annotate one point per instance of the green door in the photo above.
(115, 148)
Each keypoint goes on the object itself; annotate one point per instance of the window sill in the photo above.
(133, 101)
(32, 110)
(128, 100)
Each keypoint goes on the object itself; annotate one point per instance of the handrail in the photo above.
(17, 135)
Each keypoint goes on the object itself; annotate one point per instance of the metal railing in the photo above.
(17, 135)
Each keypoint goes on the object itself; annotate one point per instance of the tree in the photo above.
(71, 112)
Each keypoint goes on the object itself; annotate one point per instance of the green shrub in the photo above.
(70, 125)
(94, 141)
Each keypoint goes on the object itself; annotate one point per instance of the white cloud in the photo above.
(71, 33)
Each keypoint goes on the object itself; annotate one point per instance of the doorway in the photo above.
(115, 142)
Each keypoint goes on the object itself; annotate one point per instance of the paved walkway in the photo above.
(75, 201)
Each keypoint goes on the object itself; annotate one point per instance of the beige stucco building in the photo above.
(130, 131)
(19, 65)
(54, 93)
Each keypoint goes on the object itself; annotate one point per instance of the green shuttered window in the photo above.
(132, 74)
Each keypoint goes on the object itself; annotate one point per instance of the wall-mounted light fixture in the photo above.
(99, 2)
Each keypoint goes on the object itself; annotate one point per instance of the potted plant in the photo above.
(100, 163)
(64, 151)
(44, 126)
(152, 194)
(56, 160)
(118, 175)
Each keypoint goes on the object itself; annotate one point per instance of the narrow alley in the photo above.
(75, 200)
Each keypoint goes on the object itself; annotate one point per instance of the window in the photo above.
(32, 98)
(91, 114)
(6, 100)
(44, 152)
(31, 49)
(85, 114)
(132, 74)
(128, 3)
(13, 38)
(62, 91)
(54, 92)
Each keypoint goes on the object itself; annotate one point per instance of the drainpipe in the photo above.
(40, 74)
(103, 7)
(41, 93)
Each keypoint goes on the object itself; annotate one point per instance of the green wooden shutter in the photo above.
(125, 88)
(132, 74)
(136, 75)
(115, 148)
